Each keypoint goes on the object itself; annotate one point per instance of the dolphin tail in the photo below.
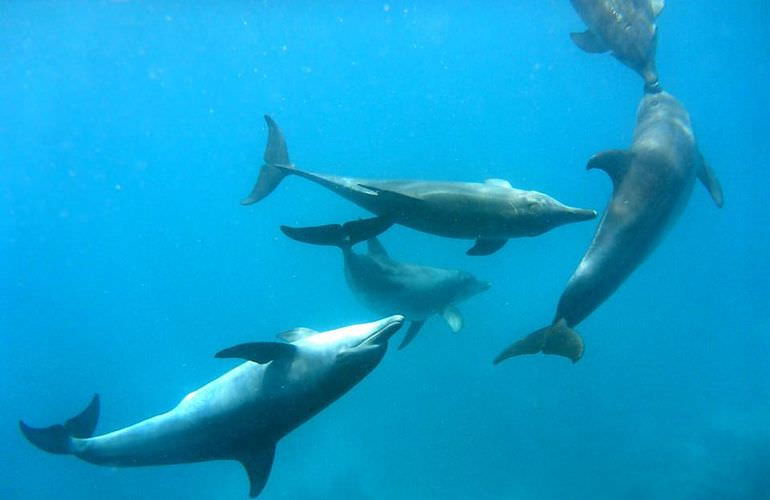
(557, 339)
(58, 438)
(276, 166)
(343, 236)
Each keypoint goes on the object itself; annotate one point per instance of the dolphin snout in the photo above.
(583, 214)
(385, 329)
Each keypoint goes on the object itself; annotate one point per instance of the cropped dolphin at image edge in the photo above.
(489, 212)
(242, 414)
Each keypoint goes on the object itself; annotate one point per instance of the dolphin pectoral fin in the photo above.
(709, 179)
(613, 161)
(589, 42)
(453, 318)
(296, 334)
(258, 465)
(486, 246)
(558, 339)
(276, 166)
(376, 249)
(414, 329)
(259, 352)
(342, 236)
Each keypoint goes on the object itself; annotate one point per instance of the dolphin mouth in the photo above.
(386, 328)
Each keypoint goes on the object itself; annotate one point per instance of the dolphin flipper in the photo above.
(414, 329)
(345, 235)
(376, 249)
(485, 246)
(453, 318)
(615, 162)
(709, 179)
(589, 42)
(276, 166)
(58, 438)
(258, 465)
(259, 352)
(557, 339)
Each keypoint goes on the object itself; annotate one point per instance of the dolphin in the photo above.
(489, 213)
(652, 183)
(240, 415)
(625, 27)
(387, 286)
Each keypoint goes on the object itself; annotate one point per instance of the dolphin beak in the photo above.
(582, 214)
(384, 329)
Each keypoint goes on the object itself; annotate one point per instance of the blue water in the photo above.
(130, 130)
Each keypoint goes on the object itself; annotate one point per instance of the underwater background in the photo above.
(129, 131)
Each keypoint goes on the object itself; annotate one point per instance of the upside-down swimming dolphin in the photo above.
(489, 213)
(652, 183)
(625, 27)
(387, 286)
(240, 415)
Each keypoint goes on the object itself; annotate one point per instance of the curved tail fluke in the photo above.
(58, 438)
(276, 166)
(558, 339)
(343, 236)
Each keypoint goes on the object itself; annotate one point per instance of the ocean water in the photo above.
(129, 131)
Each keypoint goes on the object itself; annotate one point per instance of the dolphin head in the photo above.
(541, 213)
(349, 353)
(468, 285)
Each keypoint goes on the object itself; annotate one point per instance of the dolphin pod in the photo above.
(386, 285)
(490, 213)
(240, 415)
(244, 413)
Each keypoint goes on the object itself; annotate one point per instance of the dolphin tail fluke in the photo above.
(343, 236)
(276, 166)
(558, 339)
(58, 438)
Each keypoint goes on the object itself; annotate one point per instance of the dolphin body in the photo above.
(652, 183)
(489, 213)
(625, 27)
(387, 286)
(240, 415)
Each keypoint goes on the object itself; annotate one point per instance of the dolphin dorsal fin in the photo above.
(258, 464)
(296, 334)
(657, 6)
(499, 182)
(258, 352)
(376, 249)
(613, 161)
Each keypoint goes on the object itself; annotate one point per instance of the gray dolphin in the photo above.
(387, 286)
(240, 415)
(625, 27)
(489, 213)
(652, 183)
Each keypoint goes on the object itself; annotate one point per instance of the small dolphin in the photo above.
(490, 213)
(625, 27)
(652, 183)
(387, 286)
(240, 415)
